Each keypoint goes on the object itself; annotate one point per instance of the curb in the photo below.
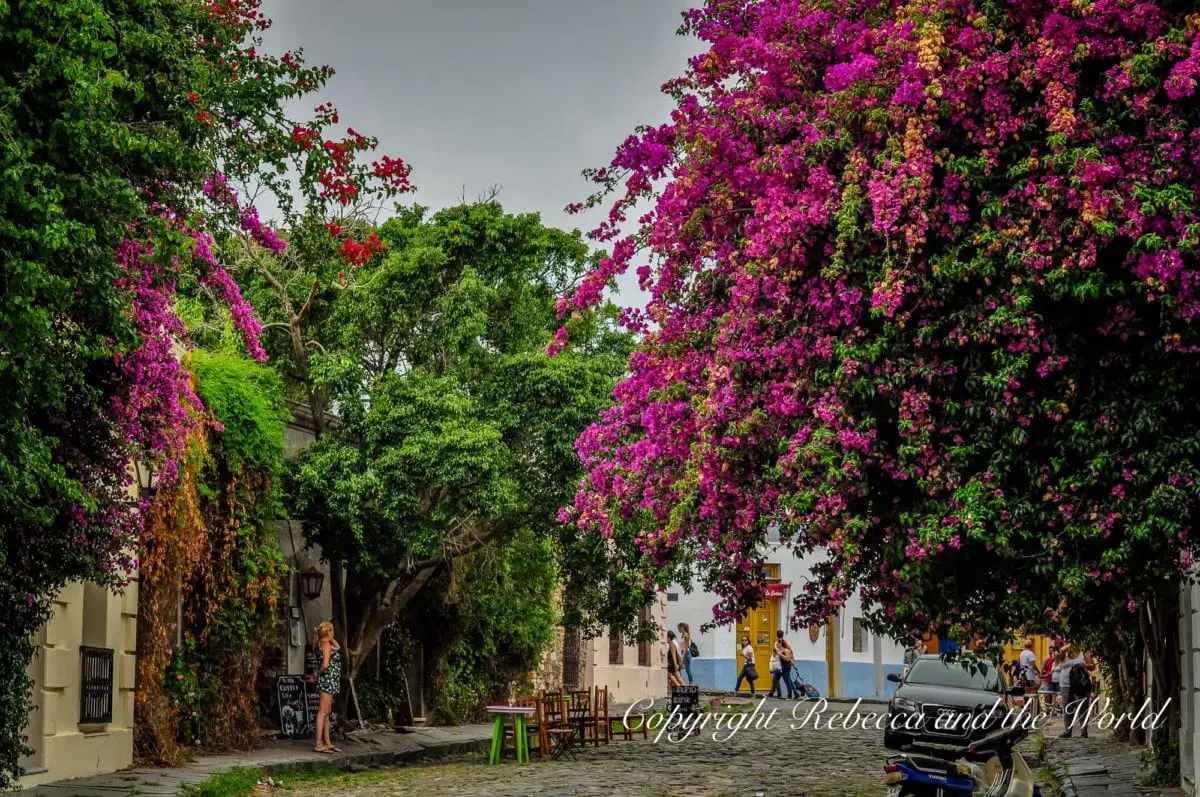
(433, 752)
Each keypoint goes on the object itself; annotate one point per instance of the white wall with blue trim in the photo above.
(863, 672)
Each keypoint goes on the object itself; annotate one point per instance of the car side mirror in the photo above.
(894, 677)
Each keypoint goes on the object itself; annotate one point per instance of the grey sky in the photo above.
(522, 94)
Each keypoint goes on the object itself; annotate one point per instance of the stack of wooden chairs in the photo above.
(553, 712)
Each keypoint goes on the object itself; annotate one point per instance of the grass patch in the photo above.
(1038, 742)
(1050, 776)
(237, 782)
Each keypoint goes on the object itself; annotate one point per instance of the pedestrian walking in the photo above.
(787, 662)
(1075, 684)
(329, 681)
(911, 654)
(673, 660)
(748, 672)
(1028, 669)
(685, 642)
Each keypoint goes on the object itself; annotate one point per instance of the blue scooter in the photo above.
(1004, 775)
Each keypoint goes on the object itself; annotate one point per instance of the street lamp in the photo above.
(311, 582)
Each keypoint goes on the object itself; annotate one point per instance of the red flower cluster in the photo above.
(358, 255)
(305, 136)
(394, 172)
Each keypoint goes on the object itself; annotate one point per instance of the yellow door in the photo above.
(760, 625)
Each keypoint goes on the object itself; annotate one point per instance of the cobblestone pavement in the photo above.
(777, 762)
(1100, 767)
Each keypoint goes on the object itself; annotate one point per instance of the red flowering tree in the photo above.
(130, 130)
(924, 293)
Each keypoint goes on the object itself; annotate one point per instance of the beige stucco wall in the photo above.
(627, 682)
(82, 614)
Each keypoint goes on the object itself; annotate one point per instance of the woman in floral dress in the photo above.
(329, 681)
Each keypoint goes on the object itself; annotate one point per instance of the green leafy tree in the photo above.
(454, 427)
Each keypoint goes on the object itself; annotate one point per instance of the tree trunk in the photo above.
(377, 616)
(1160, 625)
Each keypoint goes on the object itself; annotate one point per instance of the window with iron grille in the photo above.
(644, 647)
(859, 635)
(616, 648)
(96, 686)
(572, 660)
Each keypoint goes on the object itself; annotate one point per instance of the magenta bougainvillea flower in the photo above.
(923, 295)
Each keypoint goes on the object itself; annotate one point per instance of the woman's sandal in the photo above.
(334, 750)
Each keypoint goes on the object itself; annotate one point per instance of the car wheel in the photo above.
(894, 741)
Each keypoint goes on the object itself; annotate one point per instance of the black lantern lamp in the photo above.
(311, 582)
(145, 479)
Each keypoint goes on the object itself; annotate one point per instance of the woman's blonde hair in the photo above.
(322, 632)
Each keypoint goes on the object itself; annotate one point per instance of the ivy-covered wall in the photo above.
(211, 569)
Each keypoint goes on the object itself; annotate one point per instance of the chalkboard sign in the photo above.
(293, 706)
(299, 702)
(685, 697)
(313, 694)
(312, 659)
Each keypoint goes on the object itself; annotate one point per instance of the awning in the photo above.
(776, 590)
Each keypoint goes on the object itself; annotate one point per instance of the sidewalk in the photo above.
(382, 749)
(1098, 766)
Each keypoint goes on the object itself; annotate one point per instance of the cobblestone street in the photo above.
(779, 762)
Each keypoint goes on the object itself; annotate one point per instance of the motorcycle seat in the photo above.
(933, 766)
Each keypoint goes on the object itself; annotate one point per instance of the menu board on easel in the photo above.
(312, 659)
(313, 695)
(299, 702)
(293, 706)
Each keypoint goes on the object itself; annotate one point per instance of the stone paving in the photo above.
(788, 758)
(776, 762)
(380, 749)
(1099, 767)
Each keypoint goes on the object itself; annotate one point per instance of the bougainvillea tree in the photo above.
(122, 123)
(924, 293)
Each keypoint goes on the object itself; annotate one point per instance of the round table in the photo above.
(520, 736)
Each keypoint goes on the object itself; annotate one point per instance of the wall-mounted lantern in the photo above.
(311, 582)
(145, 479)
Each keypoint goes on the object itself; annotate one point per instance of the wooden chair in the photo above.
(600, 723)
(552, 716)
(638, 719)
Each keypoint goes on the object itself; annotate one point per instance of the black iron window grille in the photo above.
(96, 686)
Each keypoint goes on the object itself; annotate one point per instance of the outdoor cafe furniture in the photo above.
(568, 740)
(519, 714)
(599, 724)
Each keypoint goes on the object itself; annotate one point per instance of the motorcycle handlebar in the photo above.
(1003, 737)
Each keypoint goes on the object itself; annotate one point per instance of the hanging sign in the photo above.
(776, 590)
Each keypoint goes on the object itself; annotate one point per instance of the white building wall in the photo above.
(1189, 643)
(856, 674)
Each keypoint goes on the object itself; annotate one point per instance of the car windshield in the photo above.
(959, 674)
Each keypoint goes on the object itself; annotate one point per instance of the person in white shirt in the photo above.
(749, 673)
(674, 660)
(1029, 668)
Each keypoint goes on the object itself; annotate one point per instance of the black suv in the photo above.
(946, 703)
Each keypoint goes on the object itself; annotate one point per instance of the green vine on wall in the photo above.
(211, 569)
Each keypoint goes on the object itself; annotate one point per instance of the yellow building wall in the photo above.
(82, 615)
